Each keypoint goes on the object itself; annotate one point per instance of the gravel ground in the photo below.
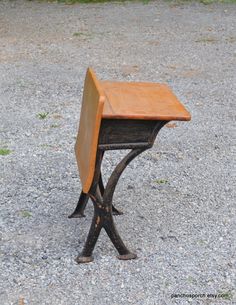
(183, 229)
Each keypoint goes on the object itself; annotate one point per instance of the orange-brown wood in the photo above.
(144, 101)
(119, 100)
(90, 121)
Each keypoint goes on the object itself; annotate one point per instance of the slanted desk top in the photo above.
(144, 101)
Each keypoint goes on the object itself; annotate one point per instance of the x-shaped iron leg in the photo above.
(83, 200)
(103, 218)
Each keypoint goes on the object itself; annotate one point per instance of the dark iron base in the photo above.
(83, 200)
(81, 205)
(103, 210)
(116, 212)
(76, 215)
(79, 210)
(111, 138)
(84, 259)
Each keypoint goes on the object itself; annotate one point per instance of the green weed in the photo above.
(26, 214)
(4, 151)
(206, 2)
(96, 1)
(161, 181)
(80, 34)
(42, 115)
(55, 126)
(206, 40)
(47, 146)
(174, 2)
(226, 295)
(84, 1)
(216, 1)
(231, 39)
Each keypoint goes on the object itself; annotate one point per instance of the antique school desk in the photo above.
(116, 115)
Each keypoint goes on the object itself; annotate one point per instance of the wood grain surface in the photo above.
(144, 101)
(90, 121)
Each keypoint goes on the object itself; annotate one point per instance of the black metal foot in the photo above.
(81, 205)
(84, 259)
(128, 256)
(76, 215)
(116, 212)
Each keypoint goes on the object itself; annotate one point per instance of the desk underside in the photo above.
(128, 134)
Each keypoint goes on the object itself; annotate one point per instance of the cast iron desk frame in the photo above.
(137, 135)
(132, 116)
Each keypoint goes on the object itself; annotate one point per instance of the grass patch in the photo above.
(174, 2)
(95, 1)
(42, 115)
(78, 34)
(4, 151)
(25, 214)
(216, 1)
(161, 181)
(226, 295)
(206, 2)
(82, 35)
(46, 145)
(86, 1)
(231, 39)
(207, 40)
(55, 126)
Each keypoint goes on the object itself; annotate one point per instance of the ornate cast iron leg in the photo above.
(96, 225)
(83, 200)
(115, 211)
(101, 185)
(81, 205)
(103, 211)
(107, 200)
(95, 229)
